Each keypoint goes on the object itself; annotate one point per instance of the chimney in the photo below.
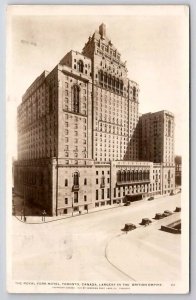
(102, 30)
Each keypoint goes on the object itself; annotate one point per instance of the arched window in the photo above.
(128, 176)
(140, 175)
(80, 66)
(132, 175)
(123, 176)
(76, 178)
(76, 98)
(118, 176)
(169, 128)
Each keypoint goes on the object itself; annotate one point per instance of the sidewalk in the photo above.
(38, 219)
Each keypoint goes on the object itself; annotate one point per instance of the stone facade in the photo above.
(81, 144)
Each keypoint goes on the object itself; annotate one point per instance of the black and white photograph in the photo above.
(97, 149)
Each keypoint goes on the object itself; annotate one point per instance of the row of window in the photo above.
(102, 194)
(75, 180)
(75, 198)
(123, 176)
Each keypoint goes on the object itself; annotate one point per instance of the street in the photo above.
(87, 247)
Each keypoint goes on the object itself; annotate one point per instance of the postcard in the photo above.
(97, 169)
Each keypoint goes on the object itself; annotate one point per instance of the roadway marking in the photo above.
(106, 256)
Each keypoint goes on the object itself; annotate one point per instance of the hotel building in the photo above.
(81, 141)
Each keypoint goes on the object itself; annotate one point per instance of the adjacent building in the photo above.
(81, 141)
(178, 170)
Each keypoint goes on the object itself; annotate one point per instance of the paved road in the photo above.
(74, 249)
(147, 253)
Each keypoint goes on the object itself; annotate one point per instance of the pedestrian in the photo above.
(21, 213)
(43, 215)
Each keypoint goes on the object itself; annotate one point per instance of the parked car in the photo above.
(127, 203)
(167, 213)
(129, 227)
(178, 209)
(150, 198)
(146, 221)
(159, 216)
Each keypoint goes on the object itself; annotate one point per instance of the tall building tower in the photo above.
(157, 145)
(157, 137)
(114, 102)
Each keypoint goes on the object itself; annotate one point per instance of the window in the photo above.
(103, 180)
(97, 194)
(134, 92)
(102, 194)
(119, 176)
(75, 98)
(66, 200)
(75, 197)
(85, 198)
(108, 193)
(65, 211)
(97, 180)
(80, 66)
(169, 128)
(66, 182)
(85, 181)
(108, 180)
(76, 178)
(97, 172)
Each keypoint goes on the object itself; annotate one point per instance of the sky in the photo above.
(152, 41)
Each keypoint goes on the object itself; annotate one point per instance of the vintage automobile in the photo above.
(150, 198)
(167, 213)
(146, 221)
(159, 216)
(129, 227)
(178, 209)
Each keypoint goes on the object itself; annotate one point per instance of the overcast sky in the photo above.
(153, 42)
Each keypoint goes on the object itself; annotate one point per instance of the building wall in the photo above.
(168, 173)
(75, 126)
(178, 170)
(130, 178)
(37, 118)
(157, 137)
(33, 182)
(72, 195)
